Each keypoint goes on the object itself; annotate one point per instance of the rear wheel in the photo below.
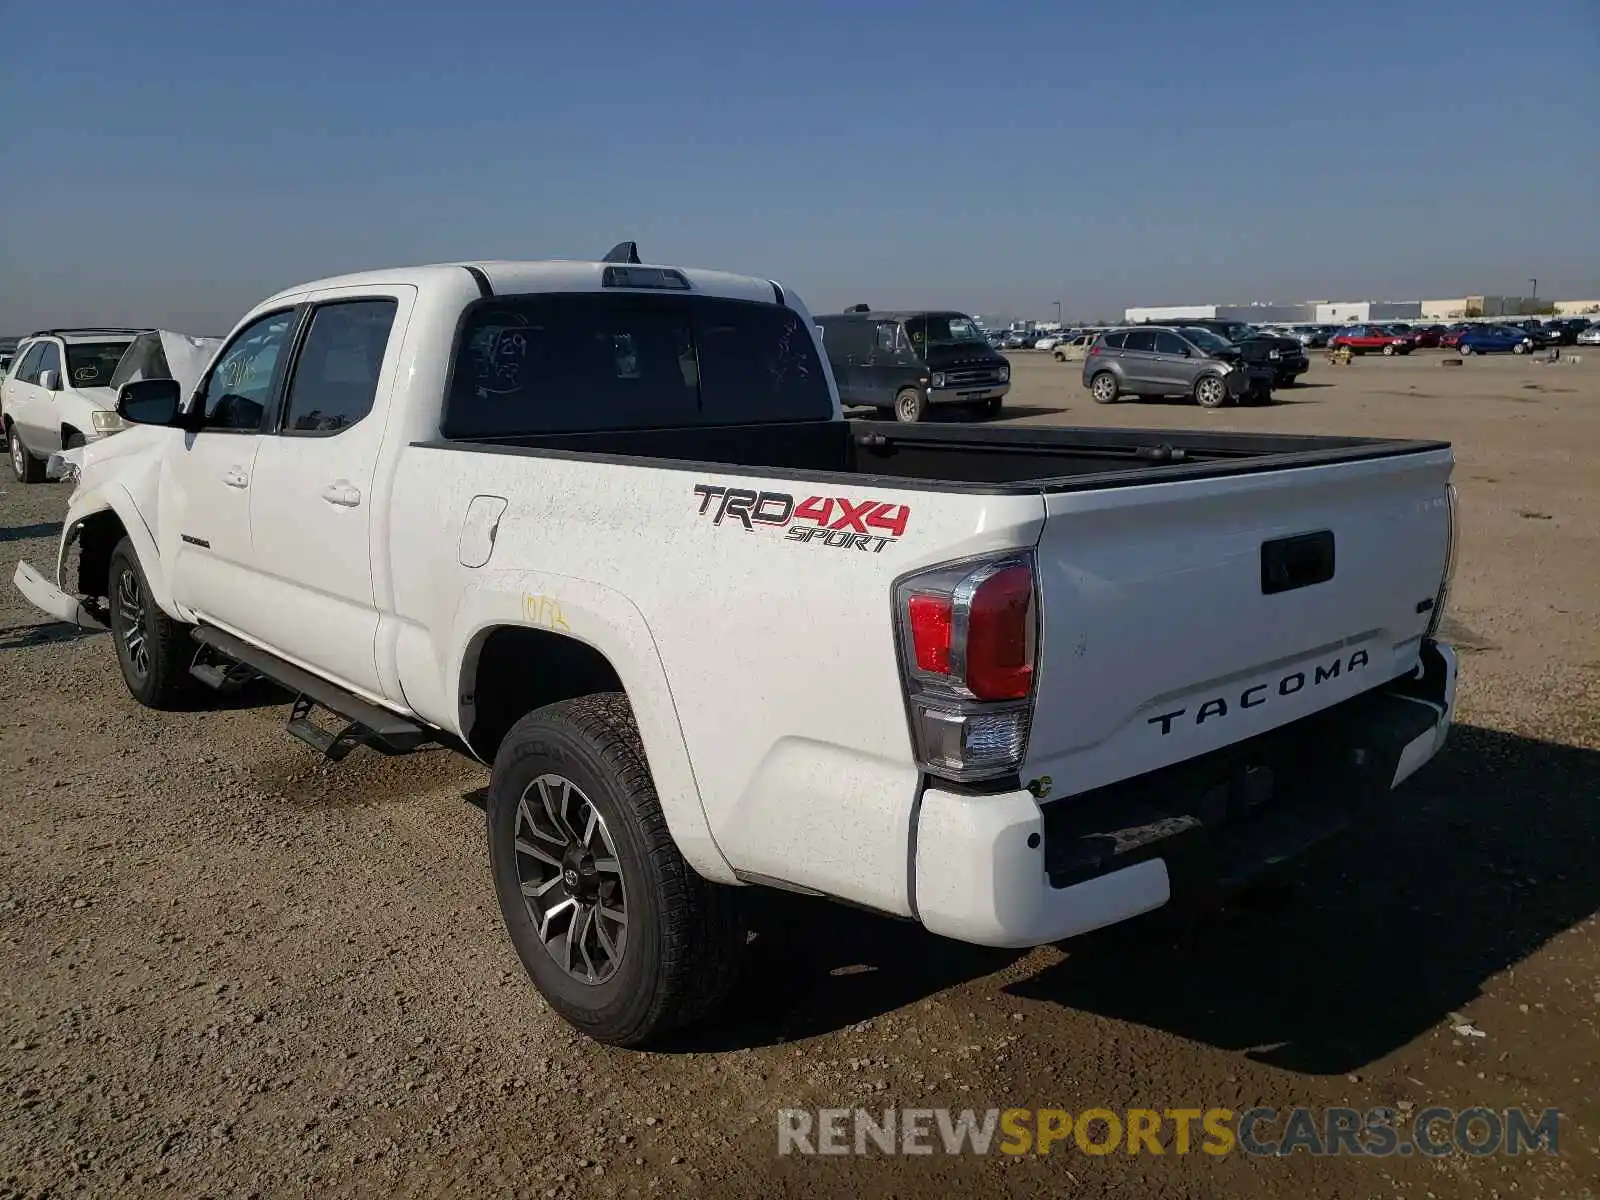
(1210, 391)
(910, 405)
(1520, 348)
(28, 469)
(1103, 387)
(153, 650)
(617, 931)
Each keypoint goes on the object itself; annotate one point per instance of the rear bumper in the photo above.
(1004, 870)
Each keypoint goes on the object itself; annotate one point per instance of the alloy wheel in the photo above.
(571, 878)
(130, 614)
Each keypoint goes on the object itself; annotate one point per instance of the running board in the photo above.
(366, 723)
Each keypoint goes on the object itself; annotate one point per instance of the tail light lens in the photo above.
(968, 641)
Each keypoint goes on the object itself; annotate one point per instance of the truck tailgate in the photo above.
(1181, 617)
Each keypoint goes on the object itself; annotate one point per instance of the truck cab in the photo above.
(906, 362)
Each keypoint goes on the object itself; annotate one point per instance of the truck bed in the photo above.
(989, 459)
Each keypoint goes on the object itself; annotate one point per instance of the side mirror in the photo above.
(150, 401)
(50, 381)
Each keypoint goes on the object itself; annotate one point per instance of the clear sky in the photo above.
(172, 163)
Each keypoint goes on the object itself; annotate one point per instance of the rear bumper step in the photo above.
(367, 723)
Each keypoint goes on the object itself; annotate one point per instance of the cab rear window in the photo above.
(574, 363)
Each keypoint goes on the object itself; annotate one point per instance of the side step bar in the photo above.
(367, 724)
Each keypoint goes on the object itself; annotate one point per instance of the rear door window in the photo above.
(595, 361)
(1141, 339)
(1114, 341)
(336, 373)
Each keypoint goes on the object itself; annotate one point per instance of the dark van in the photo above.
(903, 362)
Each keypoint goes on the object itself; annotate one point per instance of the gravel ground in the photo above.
(228, 969)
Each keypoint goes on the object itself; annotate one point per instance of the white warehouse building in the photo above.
(1323, 312)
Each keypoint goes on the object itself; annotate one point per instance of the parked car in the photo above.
(1371, 339)
(1154, 361)
(1495, 339)
(1075, 348)
(1539, 334)
(1589, 336)
(560, 515)
(8, 353)
(904, 363)
(1049, 341)
(1427, 336)
(1565, 330)
(1017, 339)
(1284, 357)
(57, 396)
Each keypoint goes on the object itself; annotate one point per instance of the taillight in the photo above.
(1093, 350)
(969, 639)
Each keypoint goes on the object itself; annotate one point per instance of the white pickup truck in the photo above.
(602, 526)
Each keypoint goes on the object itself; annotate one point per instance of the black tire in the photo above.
(1103, 387)
(683, 936)
(76, 440)
(988, 410)
(1389, 351)
(910, 405)
(1210, 391)
(154, 651)
(24, 465)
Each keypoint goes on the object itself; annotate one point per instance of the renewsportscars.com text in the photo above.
(1259, 1132)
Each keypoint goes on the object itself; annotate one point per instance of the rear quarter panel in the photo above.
(760, 660)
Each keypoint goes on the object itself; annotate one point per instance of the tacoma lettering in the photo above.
(1255, 695)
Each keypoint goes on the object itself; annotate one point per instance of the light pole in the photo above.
(1058, 312)
(1534, 294)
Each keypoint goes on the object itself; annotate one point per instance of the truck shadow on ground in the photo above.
(1381, 935)
(22, 533)
(45, 633)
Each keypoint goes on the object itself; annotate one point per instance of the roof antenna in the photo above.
(623, 252)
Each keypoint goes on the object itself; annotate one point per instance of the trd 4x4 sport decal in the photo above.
(833, 521)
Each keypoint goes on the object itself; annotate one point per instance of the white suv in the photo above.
(57, 394)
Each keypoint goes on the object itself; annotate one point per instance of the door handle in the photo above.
(343, 494)
(236, 478)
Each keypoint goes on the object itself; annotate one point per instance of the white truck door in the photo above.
(205, 530)
(314, 515)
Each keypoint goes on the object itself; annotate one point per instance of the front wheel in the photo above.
(1210, 391)
(1388, 351)
(28, 469)
(153, 650)
(989, 409)
(1103, 387)
(1465, 350)
(910, 405)
(617, 931)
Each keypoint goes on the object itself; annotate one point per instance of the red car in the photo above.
(1452, 337)
(1366, 339)
(1428, 336)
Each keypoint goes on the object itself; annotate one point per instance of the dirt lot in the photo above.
(230, 970)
